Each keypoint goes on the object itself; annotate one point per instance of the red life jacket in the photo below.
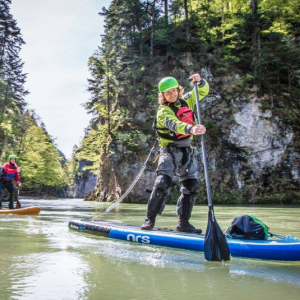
(10, 172)
(184, 114)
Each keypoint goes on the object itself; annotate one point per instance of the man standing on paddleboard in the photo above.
(10, 172)
(176, 125)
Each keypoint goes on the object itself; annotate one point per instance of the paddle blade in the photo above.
(215, 244)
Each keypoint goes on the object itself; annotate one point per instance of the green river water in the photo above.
(41, 258)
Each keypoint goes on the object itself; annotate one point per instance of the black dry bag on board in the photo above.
(248, 228)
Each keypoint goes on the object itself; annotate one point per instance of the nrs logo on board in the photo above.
(80, 227)
(138, 238)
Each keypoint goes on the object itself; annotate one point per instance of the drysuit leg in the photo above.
(156, 200)
(185, 204)
(11, 201)
(1, 199)
(10, 187)
(2, 192)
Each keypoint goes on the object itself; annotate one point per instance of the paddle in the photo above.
(215, 244)
(18, 205)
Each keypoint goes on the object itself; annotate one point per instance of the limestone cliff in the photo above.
(253, 149)
(84, 182)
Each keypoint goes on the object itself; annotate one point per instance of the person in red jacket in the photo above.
(10, 173)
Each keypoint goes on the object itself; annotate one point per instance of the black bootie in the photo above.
(186, 226)
(148, 224)
(184, 210)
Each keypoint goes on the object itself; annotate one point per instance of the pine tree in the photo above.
(12, 78)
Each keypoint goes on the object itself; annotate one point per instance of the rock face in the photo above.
(115, 178)
(264, 140)
(251, 152)
(84, 183)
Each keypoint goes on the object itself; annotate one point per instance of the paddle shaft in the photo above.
(203, 148)
(18, 205)
(215, 244)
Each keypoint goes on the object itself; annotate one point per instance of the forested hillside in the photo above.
(21, 131)
(249, 53)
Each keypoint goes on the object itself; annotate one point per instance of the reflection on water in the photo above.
(40, 274)
(40, 258)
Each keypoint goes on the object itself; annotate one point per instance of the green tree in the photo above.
(12, 78)
(39, 158)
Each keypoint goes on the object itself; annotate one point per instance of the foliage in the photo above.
(38, 157)
(147, 40)
(134, 139)
(21, 131)
(12, 78)
(95, 142)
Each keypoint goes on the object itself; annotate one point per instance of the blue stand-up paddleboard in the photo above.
(285, 250)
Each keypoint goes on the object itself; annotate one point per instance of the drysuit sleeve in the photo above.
(190, 98)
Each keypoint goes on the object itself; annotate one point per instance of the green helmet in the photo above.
(12, 156)
(167, 83)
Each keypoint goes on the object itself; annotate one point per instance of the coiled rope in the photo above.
(133, 183)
